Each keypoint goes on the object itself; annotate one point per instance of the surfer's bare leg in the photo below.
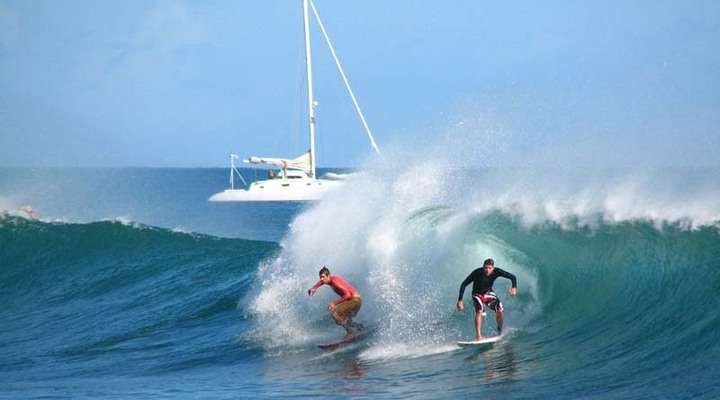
(499, 317)
(339, 319)
(478, 325)
(348, 325)
(349, 328)
(344, 321)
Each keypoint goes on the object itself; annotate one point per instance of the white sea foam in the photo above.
(688, 198)
(406, 262)
(181, 229)
(403, 231)
(121, 219)
(404, 350)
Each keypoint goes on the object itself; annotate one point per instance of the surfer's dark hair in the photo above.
(324, 271)
(489, 261)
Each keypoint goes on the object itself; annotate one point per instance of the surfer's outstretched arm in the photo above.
(315, 287)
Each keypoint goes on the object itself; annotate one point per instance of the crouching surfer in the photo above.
(346, 307)
(483, 294)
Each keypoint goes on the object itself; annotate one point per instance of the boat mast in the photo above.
(311, 100)
(344, 78)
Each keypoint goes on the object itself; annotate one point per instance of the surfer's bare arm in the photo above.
(460, 304)
(315, 287)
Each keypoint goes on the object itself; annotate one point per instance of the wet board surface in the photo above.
(344, 341)
(485, 341)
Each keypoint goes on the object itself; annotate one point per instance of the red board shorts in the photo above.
(489, 300)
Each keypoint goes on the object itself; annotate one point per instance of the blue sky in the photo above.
(180, 83)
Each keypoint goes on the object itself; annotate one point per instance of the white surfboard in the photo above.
(487, 340)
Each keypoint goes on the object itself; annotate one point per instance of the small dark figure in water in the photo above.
(28, 210)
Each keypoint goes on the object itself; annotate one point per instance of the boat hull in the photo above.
(278, 190)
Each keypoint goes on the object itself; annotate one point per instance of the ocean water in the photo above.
(132, 285)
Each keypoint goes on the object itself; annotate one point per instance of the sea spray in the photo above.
(415, 222)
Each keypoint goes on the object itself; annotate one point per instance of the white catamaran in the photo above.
(293, 179)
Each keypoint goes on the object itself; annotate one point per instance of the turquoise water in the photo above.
(131, 285)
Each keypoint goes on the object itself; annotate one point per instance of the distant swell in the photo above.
(94, 289)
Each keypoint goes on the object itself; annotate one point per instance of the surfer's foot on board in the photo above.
(353, 329)
(350, 335)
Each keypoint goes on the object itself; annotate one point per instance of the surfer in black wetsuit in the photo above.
(483, 294)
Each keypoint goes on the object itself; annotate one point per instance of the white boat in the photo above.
(293, 179)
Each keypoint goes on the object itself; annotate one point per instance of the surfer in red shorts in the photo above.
(483, 294)
(344, 308)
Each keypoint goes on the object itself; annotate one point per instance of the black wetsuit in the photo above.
(482, 283)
